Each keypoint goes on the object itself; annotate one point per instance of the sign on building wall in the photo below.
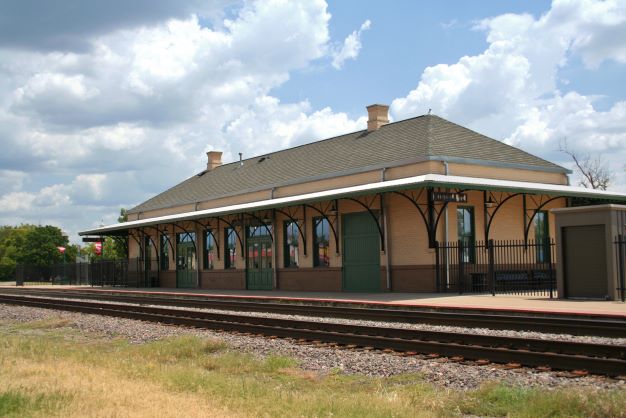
(450, 197)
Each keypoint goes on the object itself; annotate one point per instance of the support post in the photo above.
(485, 216)
(437, 267)
(621, 257)
(492, 273)
(524, 212)
(461, 281)
(432, 228)
(274, 252)
(198, 232)
(549, 247)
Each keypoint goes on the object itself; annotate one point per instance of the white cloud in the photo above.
(136, 110)
(11, 180)
(509, 91)
(351, 46)
(16, 201)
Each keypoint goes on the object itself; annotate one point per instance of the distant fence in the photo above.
(124, 272)
(620, 253)
(503, 267)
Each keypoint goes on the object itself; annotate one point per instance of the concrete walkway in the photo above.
(498, 302)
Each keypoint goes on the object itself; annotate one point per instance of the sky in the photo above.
(106, 104)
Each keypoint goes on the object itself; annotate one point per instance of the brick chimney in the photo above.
(378, 115)
(214, 159)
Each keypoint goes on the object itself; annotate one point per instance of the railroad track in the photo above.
(558, 324)
(558, 355)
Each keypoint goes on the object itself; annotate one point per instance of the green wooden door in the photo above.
(361, 253)
(185, 265)
(259, 271)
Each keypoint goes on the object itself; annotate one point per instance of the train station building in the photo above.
(408, 206)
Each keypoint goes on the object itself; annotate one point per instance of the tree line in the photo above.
(38, 245)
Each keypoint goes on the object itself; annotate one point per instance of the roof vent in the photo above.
(378, 115)
(214, 160)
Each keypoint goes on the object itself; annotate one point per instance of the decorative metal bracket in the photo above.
(188, 234)
(220, 219)
(164, 233)
(300, 225)
(367, 205)
(430, 211)
(123, 241)
(150, 240)
(209, 229)
(324, 212)
(539, 204)
(494, 201)
(262, 223)
(139, 244)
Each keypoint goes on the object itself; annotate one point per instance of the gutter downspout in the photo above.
(386, 229)
(445, 231)
(274, 244)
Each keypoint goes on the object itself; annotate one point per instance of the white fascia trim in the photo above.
(423, 180)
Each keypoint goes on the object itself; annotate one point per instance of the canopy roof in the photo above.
(428, 180)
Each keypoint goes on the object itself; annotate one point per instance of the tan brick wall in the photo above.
(408, 170)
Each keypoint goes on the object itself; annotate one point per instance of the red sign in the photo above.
(61, 249)
(98, 248)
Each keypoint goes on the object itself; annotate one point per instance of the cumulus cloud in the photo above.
(132, 103)
(509, 91)
(135, 109)
(65, 25)
(351, 47)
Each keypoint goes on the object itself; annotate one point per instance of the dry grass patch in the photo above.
(61, 372)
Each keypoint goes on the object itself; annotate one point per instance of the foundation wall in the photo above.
(223, 279)
(321, 279)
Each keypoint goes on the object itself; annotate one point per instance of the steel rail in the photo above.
(521, 322)
(595, 358)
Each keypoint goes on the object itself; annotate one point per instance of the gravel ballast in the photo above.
(323, 359)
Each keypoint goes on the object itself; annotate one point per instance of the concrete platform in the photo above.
(513, 303)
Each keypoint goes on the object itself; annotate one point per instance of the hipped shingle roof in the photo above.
(426, 137)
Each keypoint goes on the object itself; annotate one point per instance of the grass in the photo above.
(47, 369)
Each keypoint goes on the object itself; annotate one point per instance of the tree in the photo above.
(33, 245)
(595, 174)
(112, 249)
(123, 216)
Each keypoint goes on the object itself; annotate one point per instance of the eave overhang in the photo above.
(427, 180)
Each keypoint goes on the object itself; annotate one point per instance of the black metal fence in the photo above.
(620, 254)
(505, 267)
(66, 273)
(125, 272)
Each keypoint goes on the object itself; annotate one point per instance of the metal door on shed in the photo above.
(361, 253)
(584, 261)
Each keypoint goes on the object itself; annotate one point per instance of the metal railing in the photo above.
(123, 272)
(620, 253)
(504, 267)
